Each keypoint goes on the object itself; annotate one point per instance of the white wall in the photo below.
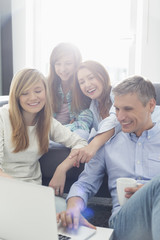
(145, 61)
(148, 58)
(19, 34)
(0, 63)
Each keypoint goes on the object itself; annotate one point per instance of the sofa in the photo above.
(50, 160)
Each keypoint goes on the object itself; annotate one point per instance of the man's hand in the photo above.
(72, 217)
(131, 191)
(58, 181)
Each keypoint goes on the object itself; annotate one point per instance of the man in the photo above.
(134, 153)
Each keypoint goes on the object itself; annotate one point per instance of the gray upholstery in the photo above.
(157, 88)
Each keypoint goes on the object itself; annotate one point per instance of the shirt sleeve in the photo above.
(90, 179)
(61, 134)
(108, 123)
(105, 125)
(84, 121)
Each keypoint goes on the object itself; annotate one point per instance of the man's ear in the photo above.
(152, 104)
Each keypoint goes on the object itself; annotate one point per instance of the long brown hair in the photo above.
(62, 49)
(23, 80)
(80, 101)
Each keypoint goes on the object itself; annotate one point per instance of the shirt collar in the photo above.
(147, 134)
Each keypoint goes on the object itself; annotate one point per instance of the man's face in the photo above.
(132, 114)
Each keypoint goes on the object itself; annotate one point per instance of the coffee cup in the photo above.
(123, 183)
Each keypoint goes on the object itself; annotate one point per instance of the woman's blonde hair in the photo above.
(21, 82)
(62, 49)
(80, 101)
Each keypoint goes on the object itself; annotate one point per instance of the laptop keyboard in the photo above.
(62, 237)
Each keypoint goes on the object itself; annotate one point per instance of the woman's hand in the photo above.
(83, 155)
(58, 181)
(3, 174)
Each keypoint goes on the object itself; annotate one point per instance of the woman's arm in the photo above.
(106, 129)
(58, 180)
(63, 135)
(2, 173)
(86, 153)
(83, 121)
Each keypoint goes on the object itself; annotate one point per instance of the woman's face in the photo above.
(33, 99)
(89, 84)
(65, 67)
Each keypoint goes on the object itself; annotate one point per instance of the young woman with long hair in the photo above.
(26, 124)
(64, 61)
(92, 83)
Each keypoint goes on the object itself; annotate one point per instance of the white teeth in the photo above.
(33, 104)
(91, 90)
(126, 123)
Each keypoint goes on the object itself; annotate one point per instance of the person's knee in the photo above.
(155, 183)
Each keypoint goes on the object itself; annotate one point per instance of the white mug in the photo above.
(123, 183)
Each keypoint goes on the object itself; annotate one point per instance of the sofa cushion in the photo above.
(157, 88)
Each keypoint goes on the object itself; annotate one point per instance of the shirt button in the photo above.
(138, 162)
(139, 144)
(149, 137)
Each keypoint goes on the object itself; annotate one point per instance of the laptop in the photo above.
(27, 212)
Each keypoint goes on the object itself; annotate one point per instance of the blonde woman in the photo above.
(25, 127)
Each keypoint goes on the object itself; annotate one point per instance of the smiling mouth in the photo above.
(33, 104)
(91, 90)
(64, 75)
(125, 124)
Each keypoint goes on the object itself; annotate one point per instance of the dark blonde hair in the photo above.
(22, 81)
(62, 49)
(80, 101)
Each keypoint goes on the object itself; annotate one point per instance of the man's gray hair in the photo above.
(136, 84)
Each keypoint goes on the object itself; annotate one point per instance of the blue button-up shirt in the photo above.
(125, 155)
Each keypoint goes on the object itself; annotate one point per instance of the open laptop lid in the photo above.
(27, 211)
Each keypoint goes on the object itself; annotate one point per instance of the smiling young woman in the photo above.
(64, 60)
(92, 82)
(26, 124)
